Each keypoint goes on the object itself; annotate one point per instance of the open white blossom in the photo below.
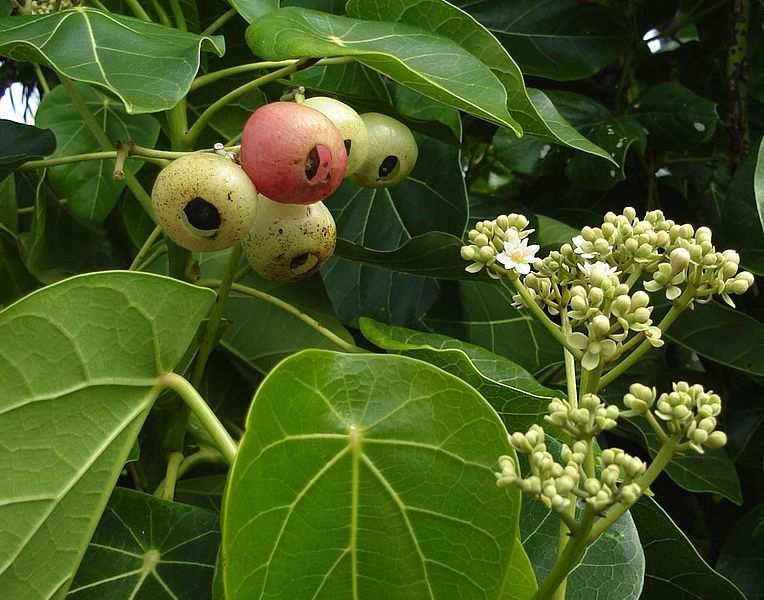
(517, 254)
(583, 248)
(598, 271)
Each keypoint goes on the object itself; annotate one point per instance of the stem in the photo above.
(205, 454)
(677, 309)
(177, 121)
(659, 431)
(203, 412)
(565, 562)
(218, 105)
(171, 477)
(164, 18)
(123, 151)
(542, 318)
(100, 135)
(41, 78)
(138, 10)
(99, 5)
(180, 18)
(590, 380)
(285, 306)
(737, 76)
(203, 80)
(220, 21)
(153, 236)
(661, 460)
(570, 363)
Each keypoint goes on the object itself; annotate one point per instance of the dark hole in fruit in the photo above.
(299, 261)
(312, 163)
(202, 215)
(388, 166)
(348, 144)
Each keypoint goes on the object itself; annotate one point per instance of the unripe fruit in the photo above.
(393, 152)
(289, 241)
(204, 202)
(349, 124)
(292, 153)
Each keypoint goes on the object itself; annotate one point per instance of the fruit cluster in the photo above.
(293, 155)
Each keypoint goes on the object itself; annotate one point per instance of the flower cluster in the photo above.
(589, 282)
(688, 411)
(46, 7)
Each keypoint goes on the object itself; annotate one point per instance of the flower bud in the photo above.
(686, 231)
(630, 493)
(630, 213)
(703, 234)
(481, 240)
(503, 222)
(600, 325)
(610, 475)
(592, 486)
(679, 258)
(469, 252)
(621, 305)
(486, 254)
(642, 315)
(639, 299)
(596, 296)
(579, 304)
(717, 439)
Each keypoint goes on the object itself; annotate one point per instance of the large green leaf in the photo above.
(20, 143)
(674, 569)
(79, 362)
(482, 314)
(758, 183)
(379, 222)
(742, 553)
(9, 205)
(726, 336)
(372, 477)
(611, 569)
(430, 64)
(513, 392)
(144, 547)
(16, 280)
(521, 580)
(89, 186)
(531, 108)
(148, 66)
(253, 9)
(675, 116)
(558, 39)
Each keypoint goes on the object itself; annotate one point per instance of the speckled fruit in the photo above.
(292, 153)
(204, 202)
(289, 241)
(392, 152)
(351, 128)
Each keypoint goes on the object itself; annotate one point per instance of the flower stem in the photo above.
(180, 18)
(220, 21)
(138, 10)
(145, 248)
(541, 316)
(289, 308)
(661, 460)
(203, 412)
(672, 315)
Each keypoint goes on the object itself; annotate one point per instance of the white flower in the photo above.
(597, 272)
(517, 254)
(584, 248)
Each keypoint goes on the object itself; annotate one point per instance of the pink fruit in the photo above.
(292, 153)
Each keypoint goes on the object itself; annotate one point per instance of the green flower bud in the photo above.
(621, 305)
(503, 222)
(686, 231)
(642, 315)
(703, 234)
(609, 475)
(469, 252)
(630, 493)
(679, 259)
(630, 213)
(592, 486)
(717, 439)
(486, 254)
(481, 240)
(600, 325)
(579, 304)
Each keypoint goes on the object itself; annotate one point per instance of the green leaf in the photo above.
(144, 547)
(616, 136)
(611, 569)
(254, 9)
(481, 313)
(149, 67)
(531, 108)
(712, 472)
(9, 216)
(521, 580)
(741, 555)
(20, 143)
(371, 476)
(513, 392)
(724, 335)
(675, 116)
(557, 39)
(89, 186)
(79, 362)
(16, 280)
(380, 224)
(261, 333)
(674, 569)
(408, 55)
(205, 491)
(758, 183)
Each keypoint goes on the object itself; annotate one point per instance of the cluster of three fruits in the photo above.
(293, 155)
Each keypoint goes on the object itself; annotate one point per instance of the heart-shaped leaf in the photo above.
(674, 568)
(513, 392)
(144, 547)
(253, 9)
(372, 477)
(70, 414)
(20, 143)
(149, 67)
(741, 555)
(408, 55)
(557, 39)
(89, 186)
(531, 108)
(482, 314)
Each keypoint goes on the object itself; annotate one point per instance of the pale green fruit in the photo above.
(351, 128)
(393, 152)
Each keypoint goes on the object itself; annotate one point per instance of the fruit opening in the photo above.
(317, 164)
(388, 166)
(303, 264)
(348, 144)
(202, 216)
